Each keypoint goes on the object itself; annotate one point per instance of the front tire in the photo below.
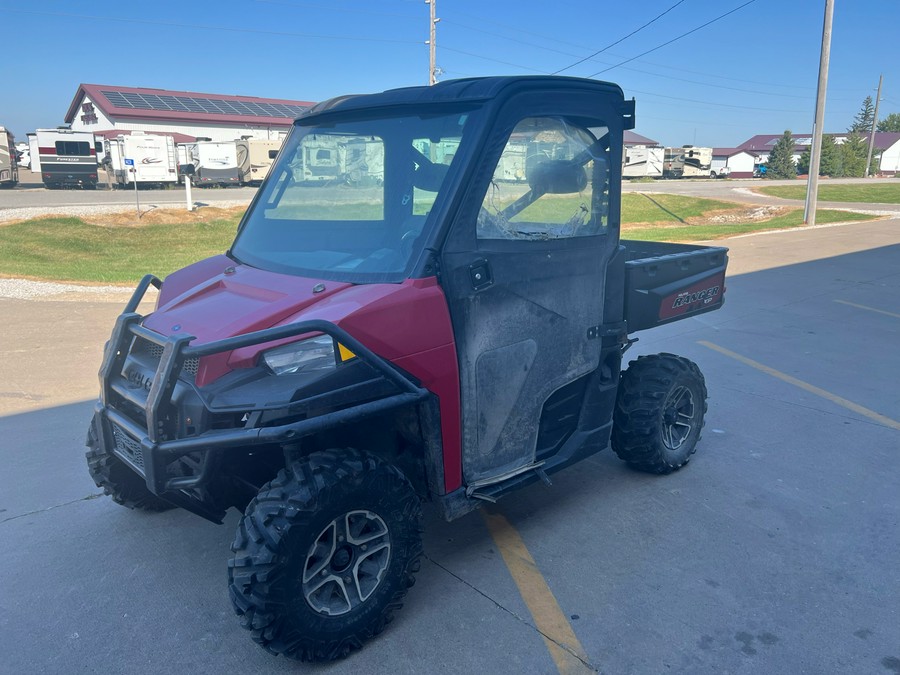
(325, 554)
(660, 409)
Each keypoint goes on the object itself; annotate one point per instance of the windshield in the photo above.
(349, 201)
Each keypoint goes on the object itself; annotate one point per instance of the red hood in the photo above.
(234, 301)
(217, 299)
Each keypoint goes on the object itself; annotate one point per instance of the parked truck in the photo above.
(9, 166)
(153, 160)
(443, 335)
(255, 157)
(64, 158)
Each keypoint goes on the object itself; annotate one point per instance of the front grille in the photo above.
(127, 446)
(153, 352)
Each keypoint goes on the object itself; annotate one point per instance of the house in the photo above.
(886, 143)
(109, 110)
(740, 163)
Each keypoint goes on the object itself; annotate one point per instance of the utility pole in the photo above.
(874, 122)
(432, 22)
(812, 189)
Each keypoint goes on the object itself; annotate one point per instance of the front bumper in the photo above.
(142, 425)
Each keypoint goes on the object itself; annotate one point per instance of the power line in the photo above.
(664, 44)
(613, 44)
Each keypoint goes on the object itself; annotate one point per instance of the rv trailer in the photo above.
(687, 162)
(64, 158)
(9, 167)
(255, 156)
(153, 157)
(215, 162)
(641, 161)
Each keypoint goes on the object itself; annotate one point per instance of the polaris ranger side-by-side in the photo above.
(439, 333)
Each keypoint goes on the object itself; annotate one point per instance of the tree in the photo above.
(830, 162)
(803, 162)
(854, 152)
(864, 118)
(781, 159)
(890, 123)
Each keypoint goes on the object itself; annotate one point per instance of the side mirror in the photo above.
(186, 169)
(273, 154)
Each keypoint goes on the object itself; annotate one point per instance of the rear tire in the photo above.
(659, 413)
(118, 481)
(325, 554)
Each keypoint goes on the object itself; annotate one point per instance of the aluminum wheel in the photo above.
(678, 417)
(346, 563)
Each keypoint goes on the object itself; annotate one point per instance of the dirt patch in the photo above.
(744, 214)
(753, 214)
(155, 216)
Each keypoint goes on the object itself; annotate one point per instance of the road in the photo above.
(742, 190)
(775, 550)
(32, 194)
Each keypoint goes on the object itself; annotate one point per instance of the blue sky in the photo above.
(754, 71)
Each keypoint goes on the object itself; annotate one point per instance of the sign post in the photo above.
(137, 199)
(187, 192)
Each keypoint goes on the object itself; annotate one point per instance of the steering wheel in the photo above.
(407, 241)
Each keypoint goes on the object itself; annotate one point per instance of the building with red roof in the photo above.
(109, 110)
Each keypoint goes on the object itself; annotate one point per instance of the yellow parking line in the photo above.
(812, 389)
(548, 617)
(871, 309)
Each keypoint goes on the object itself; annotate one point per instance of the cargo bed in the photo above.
(665, 282)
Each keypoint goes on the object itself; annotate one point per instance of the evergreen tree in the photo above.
(890, 123)
(781, 159)
(803, 162)
(831, 160)
(854, 152)
(864, 118)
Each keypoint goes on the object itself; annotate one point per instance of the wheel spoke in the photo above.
(320, 553)
(370, 568)
(364, 527)
(329, 596)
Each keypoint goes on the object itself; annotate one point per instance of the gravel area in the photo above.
(25, 289)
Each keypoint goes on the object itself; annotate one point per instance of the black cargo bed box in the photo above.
(665, 282)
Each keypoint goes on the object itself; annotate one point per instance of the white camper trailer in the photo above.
(153, 157)
(9, 167)
(687, 162)
(641, 161)
(255, 157)
(64, 158)
(215, 162)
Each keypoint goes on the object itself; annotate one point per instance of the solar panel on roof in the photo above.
(199, 104)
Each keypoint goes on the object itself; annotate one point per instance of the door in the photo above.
(523, 269)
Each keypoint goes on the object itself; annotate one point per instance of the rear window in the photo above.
(73, 148)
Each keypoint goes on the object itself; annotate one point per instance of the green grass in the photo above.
(870, 194)
(718, 231)
(68, 249)
(662, 208)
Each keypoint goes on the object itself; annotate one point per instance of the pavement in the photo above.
(773, 551)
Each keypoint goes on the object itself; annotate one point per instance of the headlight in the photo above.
(307, 356)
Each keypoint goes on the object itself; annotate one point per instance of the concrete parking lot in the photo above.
(774, 551)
